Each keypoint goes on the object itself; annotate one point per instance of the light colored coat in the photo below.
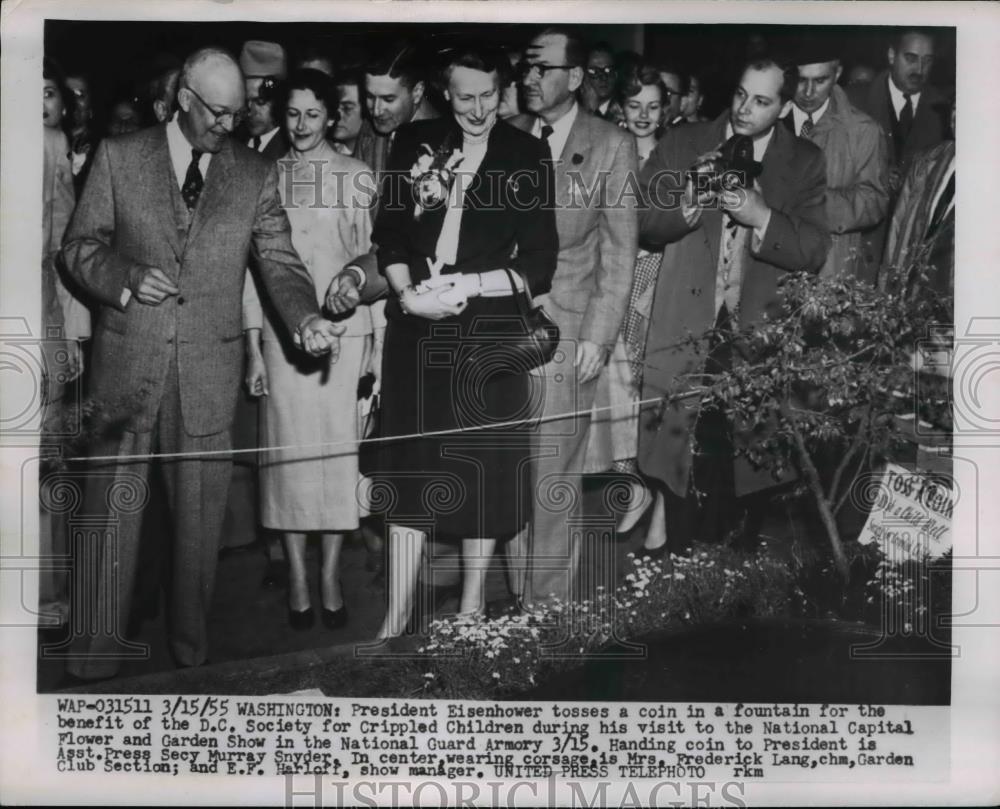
(857, 185)
(598, 238)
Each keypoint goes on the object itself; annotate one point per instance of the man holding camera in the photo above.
(724, 254)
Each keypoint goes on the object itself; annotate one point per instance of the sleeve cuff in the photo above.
(359, 274)
(758, 233)
(125, 297)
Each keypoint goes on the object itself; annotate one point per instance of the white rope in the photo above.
(381, 439)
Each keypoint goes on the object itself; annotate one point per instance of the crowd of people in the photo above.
(273, 252)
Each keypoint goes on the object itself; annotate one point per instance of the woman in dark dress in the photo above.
(466, 197)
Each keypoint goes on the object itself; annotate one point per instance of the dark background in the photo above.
(116, 55)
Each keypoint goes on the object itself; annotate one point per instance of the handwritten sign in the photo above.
(911, 515)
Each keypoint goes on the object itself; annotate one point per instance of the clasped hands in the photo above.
(745, 205)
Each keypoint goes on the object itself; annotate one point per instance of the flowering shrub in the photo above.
(482, 658)
(907, 595)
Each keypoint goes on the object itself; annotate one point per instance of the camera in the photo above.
(734, 168)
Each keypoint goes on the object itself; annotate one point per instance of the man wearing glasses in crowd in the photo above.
(161, 238)
(597, 224)
(600, 80)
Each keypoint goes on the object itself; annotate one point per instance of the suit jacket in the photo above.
(857, 185)
(131, 215)
(793, 183)
(597, 223)
(928, 121)
(911, 235)
(506, 222)
(278, 146)
(373, 148)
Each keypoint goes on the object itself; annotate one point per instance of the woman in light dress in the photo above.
(309, 483)
(615, 424)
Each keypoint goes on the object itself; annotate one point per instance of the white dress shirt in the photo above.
(180, 153)
(800, 117)
(560, 130)
(265, 139)
(898, 102)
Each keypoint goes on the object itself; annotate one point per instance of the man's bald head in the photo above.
(211, 98)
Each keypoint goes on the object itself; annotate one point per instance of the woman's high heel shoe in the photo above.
(335, 619)
(300, 620)
(640, 500)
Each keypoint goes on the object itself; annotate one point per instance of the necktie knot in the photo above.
(807, 125)
(256, 141)
(546, 131)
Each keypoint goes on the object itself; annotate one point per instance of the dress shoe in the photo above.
(654, 553)
(640, 499)
(275, 575)
(335, 619)
(300, 620)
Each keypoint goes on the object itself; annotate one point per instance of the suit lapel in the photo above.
(215, 192)
(162, 186)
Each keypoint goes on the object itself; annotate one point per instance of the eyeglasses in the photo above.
(525, 69)
(602, 72)
(220, 116)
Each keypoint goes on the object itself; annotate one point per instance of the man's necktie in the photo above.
(906, 117)
(807, 127)
(193, 181)
(546, 132)
(255, 142)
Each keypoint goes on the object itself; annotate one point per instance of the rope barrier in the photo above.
(381, 439)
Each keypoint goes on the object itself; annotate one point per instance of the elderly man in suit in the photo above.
(167, 224)
(598, 240)
(857, 169)
(723, 258)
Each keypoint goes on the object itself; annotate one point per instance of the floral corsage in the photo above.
(432, 176)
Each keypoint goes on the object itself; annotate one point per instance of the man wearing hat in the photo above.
(264, 66)
(857, 161)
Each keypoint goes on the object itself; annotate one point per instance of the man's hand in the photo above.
(343, 295)
(746, 206)
(590, 359)
(317, 335)
(256, 378)
(151, 285)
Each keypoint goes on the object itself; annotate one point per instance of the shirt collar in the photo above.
(560, 129)
(800, 116)
(897, 97)
(266, 138)
(180, 152)
(759, 145)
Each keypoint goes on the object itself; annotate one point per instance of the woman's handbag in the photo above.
(532, 347)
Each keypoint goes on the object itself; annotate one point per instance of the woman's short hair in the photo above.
(479, 56)
(318, 83)
(632, 82)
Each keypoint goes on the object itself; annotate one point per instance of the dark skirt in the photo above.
(451, 376)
